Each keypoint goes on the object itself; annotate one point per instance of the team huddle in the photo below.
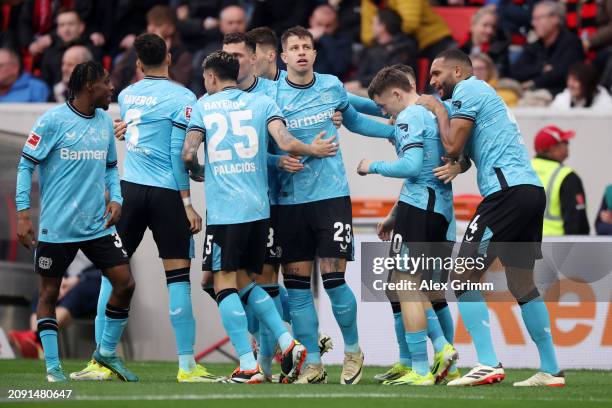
(278, 200)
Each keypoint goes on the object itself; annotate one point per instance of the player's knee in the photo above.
(329, 265)
(125, 289)
(523, 296)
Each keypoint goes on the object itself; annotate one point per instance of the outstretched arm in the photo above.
(409, 165)
(319, 147)
(358, 123)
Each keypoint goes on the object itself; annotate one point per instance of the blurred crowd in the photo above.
(534, 53)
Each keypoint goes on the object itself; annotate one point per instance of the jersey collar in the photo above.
(298, 86)
(227, 88)
(253, 85)
(278, 74)
(155, 77)
(72, 108)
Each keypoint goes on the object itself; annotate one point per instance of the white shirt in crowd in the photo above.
(602, 101)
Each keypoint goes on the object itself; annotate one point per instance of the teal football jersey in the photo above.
(496, 144)
(235, 124)
(308, 110)
(416, 127)
(74, 153)
(156, 111)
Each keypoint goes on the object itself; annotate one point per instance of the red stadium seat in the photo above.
(458, 20)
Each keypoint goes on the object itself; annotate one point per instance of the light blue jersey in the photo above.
(308, 111)
(496, 144)
(235, 124)
(156, 111)
(416, 127)
(77, 162)
(263, 86)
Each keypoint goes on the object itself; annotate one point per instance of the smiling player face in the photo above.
(389, 101)
(443, 77)
(102, 91)
(299, 54)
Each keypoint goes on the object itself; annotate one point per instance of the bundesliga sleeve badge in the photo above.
(33, 141)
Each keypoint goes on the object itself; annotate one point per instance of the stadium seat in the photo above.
(458, 20)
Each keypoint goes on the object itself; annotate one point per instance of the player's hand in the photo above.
(606, 216)
(337, 119)
(324, 147)
(448, 171)
(364, 167)
(25, 229)
(429, 102)
(120, 128)
(195, 221)
(198, 176)
(113, 212)
(290, 164)
(385, 228)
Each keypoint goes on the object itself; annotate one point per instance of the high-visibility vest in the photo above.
(551, 175)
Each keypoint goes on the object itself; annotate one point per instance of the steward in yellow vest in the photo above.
(565, 212)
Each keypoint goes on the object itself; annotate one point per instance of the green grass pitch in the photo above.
(158, 388)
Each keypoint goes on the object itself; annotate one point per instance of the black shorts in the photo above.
(163, 212)
(421, 233)
(52, 259)
(236, 246)
(274, 251)
(514, 215)
(320, 228)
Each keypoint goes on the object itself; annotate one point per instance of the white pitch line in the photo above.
(186, 397)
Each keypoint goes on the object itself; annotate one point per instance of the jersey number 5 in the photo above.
(219, 121)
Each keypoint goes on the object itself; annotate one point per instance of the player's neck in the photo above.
(161, 72)
(223, 85)
(300, 78)
(83, 105)
(411, 98)
(272, 73)
(247, 82)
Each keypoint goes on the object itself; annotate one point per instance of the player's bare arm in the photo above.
(190, 155)
(319, 147)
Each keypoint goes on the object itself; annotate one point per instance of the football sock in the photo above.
(400, 335)
(475, 314)
(181, 315)
(47, 330)
(116, 319)
(268, 341)
(417, 344)
(304, 319)
(434, 331)
(537, 321)
(284, 298)
(235, 323)
(344, 307)
(105, 291)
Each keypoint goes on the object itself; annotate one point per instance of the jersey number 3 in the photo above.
(219, 121)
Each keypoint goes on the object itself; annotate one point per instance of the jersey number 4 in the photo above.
(219, 122)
